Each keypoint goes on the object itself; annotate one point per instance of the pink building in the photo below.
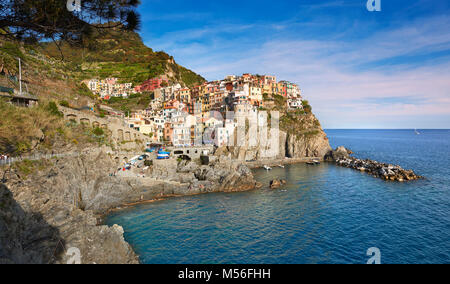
(152, 84)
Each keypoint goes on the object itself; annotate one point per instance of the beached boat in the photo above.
(267, 168)
(313, 163)
(162, 155)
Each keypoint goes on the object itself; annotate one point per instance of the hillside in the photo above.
(116, 53)
(47, 78)
(52, 80)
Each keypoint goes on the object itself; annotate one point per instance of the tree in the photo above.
(35, 20)
(306, 106)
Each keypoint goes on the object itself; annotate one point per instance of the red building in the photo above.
(152, 84)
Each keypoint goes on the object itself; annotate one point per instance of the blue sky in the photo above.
(359, 69)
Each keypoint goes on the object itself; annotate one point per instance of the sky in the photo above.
(358, 69)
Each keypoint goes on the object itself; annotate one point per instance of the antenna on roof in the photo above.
(20, 77)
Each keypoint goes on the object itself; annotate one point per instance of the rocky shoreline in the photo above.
(388, 172)
(58, 207)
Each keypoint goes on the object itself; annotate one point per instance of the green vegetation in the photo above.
(23, 130)
(311, 133)
(64, 103)
(83, 90)
(280, 102)
(12, 49)
(52, 109)
(27, 167)
(306, 107)
(97, 131)
(133, 102)
(299, 122)
(116, 53)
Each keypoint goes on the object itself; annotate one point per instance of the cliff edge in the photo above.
(49, 208)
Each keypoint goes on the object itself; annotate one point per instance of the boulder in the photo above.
(339, 154)
(276, 183)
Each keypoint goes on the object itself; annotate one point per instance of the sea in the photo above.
(325, 213)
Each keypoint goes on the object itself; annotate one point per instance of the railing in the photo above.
(38, 157)
(6, 162)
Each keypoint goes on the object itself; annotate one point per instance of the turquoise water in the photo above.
(325, 214)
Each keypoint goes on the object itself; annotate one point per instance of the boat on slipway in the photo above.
(163, 155)
(313, 163)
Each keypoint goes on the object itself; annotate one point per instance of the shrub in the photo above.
(64, 103)
(27, 167)
(22, 147)
(306, 107)
(84, 91)
(52, 108)
(98, 131)
(12, 49)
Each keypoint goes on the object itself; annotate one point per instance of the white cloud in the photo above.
(334, 73)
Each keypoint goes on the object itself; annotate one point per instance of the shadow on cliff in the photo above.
(25, 237)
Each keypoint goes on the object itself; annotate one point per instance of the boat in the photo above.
(267, 168)
(313, 163)
(163, 155)
(417, 132)
(281, 166)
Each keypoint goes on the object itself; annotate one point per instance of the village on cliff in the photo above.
(176, 113)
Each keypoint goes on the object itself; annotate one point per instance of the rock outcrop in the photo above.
(57, 208)
(299, 136)
(341, 157)
(340, 153)
(309, 145)
(276, 183)
(290, 146)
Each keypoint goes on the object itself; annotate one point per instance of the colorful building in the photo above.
(152, 84)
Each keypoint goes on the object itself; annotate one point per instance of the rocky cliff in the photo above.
(300, 136)
(44, 215)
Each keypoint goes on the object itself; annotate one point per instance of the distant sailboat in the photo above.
(417, 132)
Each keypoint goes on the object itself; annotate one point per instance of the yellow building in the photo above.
(267, 89)
(206, 103)
(185, 95)
(255, 95)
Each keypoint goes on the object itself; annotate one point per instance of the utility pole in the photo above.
(20, 77)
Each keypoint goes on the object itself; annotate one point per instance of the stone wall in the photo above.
(118, 129)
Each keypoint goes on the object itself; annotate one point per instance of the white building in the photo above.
(294, 103)
(181, 135)
(224, 135)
